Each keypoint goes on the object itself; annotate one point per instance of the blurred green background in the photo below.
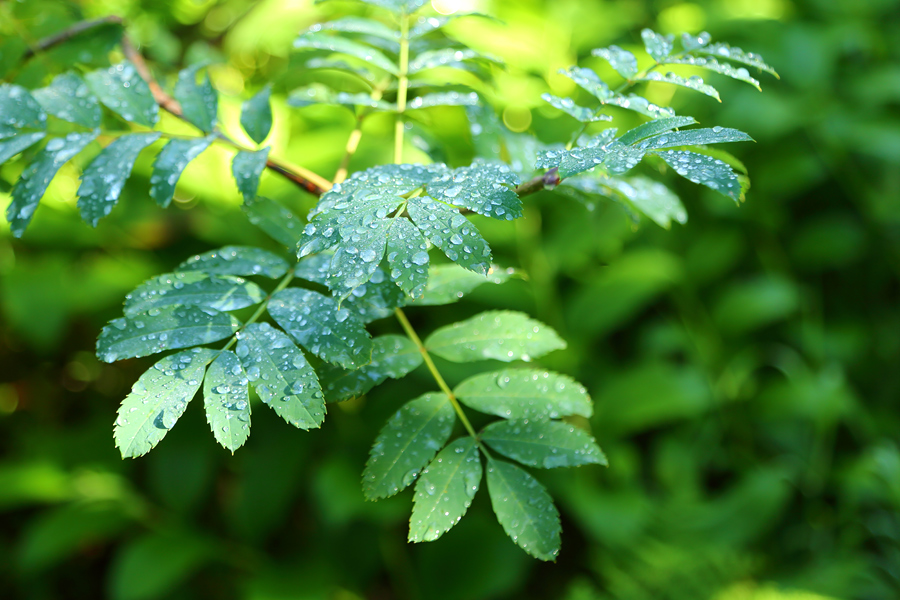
(744, 366)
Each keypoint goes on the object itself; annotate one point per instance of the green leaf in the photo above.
(425, 25)
(637, 195)
(543, 444)
(445, 490)
(156, 565)
(589, 81)
(722, 50)
(693, 42)
(19, 110)
(11, 146)
(406, 444)
(227, 401)
(247, 168)
(357, 25)
(158, 399)
(281, 375)
(658, 46)
(500, 335)
(486, 188)
(694, 137)
(278, 222)
(705, 170)
(640, 105)
(393, 356)
(321, 94)
(102, 181)
(256, 115)
(376, 299)
(448, 283)
(603, 150)
(524, 509)
(621, 60)
(218, 292)
(694, 82)
(123, 91)
(348, 218)
(354, 262)
(33, 182)
(68, 98)
(525, 394)
(316, 323)
(451, 232)
(407, 256)
(447, 57)
(579, 113)
(443, 99)
(142, 334)
(199, 102)
(321, 41)
(397, 6)
(739, 73)
(237, 260)
(170, 164)
(655, 127)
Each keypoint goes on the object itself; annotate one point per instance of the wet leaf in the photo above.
(621, 60)
(236, 260)
(11, 146)
(543, 444)
(170, 164)
(321, 94)
(694, 82)
(355, 261)
(218, 292)
(486, 188)
(357, 25)
(68, 98)
(247, 167)
(256, 115)
(739, 73)
(322, 41)
(227, 401)
(705, 170)
(658, 46)
(407, 257)
(589, 81)
(393, 356)
(579, 113)
(19, 111)
(525, 394)
(638, 195)
(655, 127)
(448, 57)
(694, 137)
(443, 99)
(199, 102)
(603, 151)
(278, 222)
(450, 282)
(122, 90)
(721, 50)
(499, 335)
(447, 229)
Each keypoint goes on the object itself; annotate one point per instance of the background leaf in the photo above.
(256, 115)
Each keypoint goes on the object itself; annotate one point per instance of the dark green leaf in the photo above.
(237, 260)
(500, 335)
(705, 170)
(281, 375)
(589, 81)
(355, 261)
(543, 444)
(19, 111)
(321, 41)
(256, 115)
(407, 256)
(199, 102)
(33, 182)
(170, 163)
(158, 399)
(392, 356)
(314, 320)
(227, 401)
(658, 46)
(123, 91)
(247, 168)
(655, 127)
(445, 490)
(623, 61)
(218, 292)
(102, 181)
(525, 394)
(278, 222)
(448, 283)
(406, 444)
(694, 137)
(451, 232)
(168, 329)
(11, 146)
(524, 509)
(68, 98)
(579, 113)
(487, 189)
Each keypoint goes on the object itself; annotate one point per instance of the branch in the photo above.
(68, 33)
(546, 181)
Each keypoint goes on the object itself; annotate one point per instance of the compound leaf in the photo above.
(227, 401)
(589, 81)
(738, 73)
(19, 111)
(68, 98)
(451, 232)
(543, 444)
(281, 375)
(193, 288)
(407, 257)
(655, 127)
(499, 335)
(694, 137)
(123, 91)
(247, 168)
(579, 113)
(445, 490)
(355, 261)
(256, 115)
(723, 50)
(658, 46)
(393, 356)
(637, 195)
(158, 399)
(11, 146)
(443, 99)
(357, 25)
(406, 444)
(447, 57)
(525, 394)
(236, 260)
(487, 189)
(170, 164)
(694, 82)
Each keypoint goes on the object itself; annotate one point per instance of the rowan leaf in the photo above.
(226, 398)
(579, 113)
(170, 164)
(455, 235)
(655, 127)
(658, 46)
(525, 394)
(543, 444)
(407, 257)
(236, 260)
(247, 168)
(622, 61)
(393, 356)
(11, 146)
(485, 188)
(342, 45)
(449, 282)
(68, 98)
(443, 99)
(193, 288)
(278, 222)
(123, 91)
(256, 115)
(199, 102)
(705, 170)
(694, 82)
(498, 335)
(693, 137)
(20, 112)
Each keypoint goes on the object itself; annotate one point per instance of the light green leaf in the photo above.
(579, 113)
(278, 222)
(321, 94)
(393, 356)
(407, 256)
(102, 181)
(640, 105)
(621, 60)
(445, 490)
(170, 328)
(256, 115)
(227, 401)
(658, 46)
(237, 260)
(499, 335)
(484, 188)
(450, 282)
(739, 73)
(321, 41)
(123, 91)
(694, 82)
(281, 375)
(357, 25)
(722, 50)
(199, 102)
(33, 182)
(543, 444)
(443, 99)
(694, 137)
(355, 261)
(637, 195)
(602, 150)
(68, 98)
(655, 127)
(447, 57)
(170, 164)
(524, 509)
(406, 444)
(589, 81)
(247, 168)
(11, 146)
(158, 399)
(397, 6)
(19, 111)
(314, 320)
(705, 170)
(451, 232)
(218, 292)
(525, 394)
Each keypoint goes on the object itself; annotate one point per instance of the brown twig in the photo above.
(546, 181)
(68, 33)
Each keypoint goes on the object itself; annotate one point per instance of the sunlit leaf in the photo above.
(621, 60)
(320, 94)
(123, 91)
(443, 99)
(499, 335)
(11, 146)
(237, 260)
(256, 115)
(170, 163)
(19, 111)
(658, 46)
(450, 231)
(739, 73)
(68, 98)
(393, 356)
(321, 41)
(579, 113)
(485, 188)
(639, 195)
(354, 262)
(357, 25)
(193, 288)
(694, 82)
(705, 170)
(447, 57)
(694, 137)
(278, 222)
(589, 81)
(525, 394)
(543, 444)
(655, 127)
(227, 401)
(722, 50)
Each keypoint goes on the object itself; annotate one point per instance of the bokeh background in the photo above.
(745, 366)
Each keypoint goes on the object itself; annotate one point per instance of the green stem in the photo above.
(262, 307)
(411, 333)
(402, 88)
